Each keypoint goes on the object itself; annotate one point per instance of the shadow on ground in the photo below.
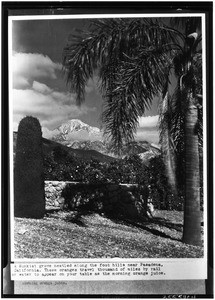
(51, 211)
(143, 224)
(168, 224)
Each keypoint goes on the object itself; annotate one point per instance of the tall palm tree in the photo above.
(181, 131)
(134, 59)
(188, 68)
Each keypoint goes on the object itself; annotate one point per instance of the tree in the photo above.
(181, 128)
(29, 194)
(134, 59)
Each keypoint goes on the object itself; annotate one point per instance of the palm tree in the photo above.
(181, 131)
(134, 59)
(191, 86)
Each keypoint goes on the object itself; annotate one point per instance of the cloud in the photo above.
(48, 133)
(20, 82)
(147, 129)
(150, 121)
(41, 88)
(92, 84)
(32, 97)
(30, 66)
(64, 98)
(44, 106)
(152, 135)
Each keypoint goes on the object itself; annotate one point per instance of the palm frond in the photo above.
(79, 64)
(120, 118)
(132, 57)
(186, 24)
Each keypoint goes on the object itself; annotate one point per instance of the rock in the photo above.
(59, 188)
(56, 203)
(48, 194)
(51, 189)
(22, 231)
(53, 197)
(61, 200)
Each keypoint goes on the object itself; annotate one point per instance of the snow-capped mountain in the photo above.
(77, 125)
(76, 130)
(79, 135)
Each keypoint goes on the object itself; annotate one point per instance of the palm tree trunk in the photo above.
(192, 214)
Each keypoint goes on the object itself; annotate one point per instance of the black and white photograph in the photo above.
(108, 140)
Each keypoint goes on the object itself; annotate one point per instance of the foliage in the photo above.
(130, 170)
(118, 202)
(63, 168)
(131, 59)
(29, 197)
(161, 192)
(69, 168)
(84, 198)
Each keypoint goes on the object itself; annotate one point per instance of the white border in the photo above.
(57, 17)
(104, 16)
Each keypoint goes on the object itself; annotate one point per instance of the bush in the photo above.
(130, 170)
(161, 192)
(29, 194)
(112, 200)
(84, 197)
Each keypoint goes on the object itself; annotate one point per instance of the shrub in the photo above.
(161, 192)
(84, 197)
(129, 170)
(29, 194)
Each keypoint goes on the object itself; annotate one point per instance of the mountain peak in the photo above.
(77, 121)
(76, 129)
(77, 125)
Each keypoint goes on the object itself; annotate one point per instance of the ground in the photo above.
(61, 235)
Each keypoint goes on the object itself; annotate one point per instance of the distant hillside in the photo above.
(99, 146)
(86, 142)
(49, 146)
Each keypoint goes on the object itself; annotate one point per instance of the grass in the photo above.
(61, 235)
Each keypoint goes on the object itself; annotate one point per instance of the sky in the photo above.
(39, 85)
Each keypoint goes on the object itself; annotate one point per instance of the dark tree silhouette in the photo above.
(29, 194)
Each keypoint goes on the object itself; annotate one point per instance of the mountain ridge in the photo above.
(86, 155)
(98, 148)
(79, 135)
